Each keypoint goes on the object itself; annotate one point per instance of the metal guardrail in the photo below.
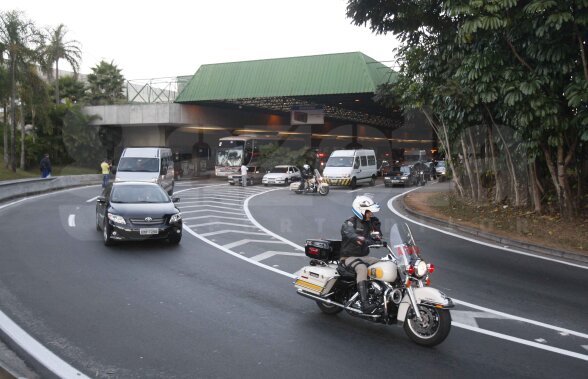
(14, 189)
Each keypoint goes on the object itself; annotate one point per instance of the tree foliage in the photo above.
(105, 84)
(511, 68)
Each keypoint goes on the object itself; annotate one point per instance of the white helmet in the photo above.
(306, 167)
(364, 203)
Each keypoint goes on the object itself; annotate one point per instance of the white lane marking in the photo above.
(223, 249)
(39, 352)
(469, 317)
(71, 221)
(210, 201)
(216, 217)
(204, 209)
(528, 321)
(505, 248)
(254, 221)
(211, 206)
(92, 199)
(585, 347)
(246, 241)
(540, 340)
(269, 254)
(522, 341)
(222, 223)
(233, 231)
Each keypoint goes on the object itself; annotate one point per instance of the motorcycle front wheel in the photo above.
(323, 190)
(433, 328)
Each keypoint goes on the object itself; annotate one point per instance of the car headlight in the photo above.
(175, 218)
(153, 180)
(116, 218)
(404, 177)
(386, 177)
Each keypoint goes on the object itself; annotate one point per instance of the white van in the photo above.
(351, 167)
(147, 164)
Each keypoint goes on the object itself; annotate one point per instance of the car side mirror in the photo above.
(101, 199)
(175, 199)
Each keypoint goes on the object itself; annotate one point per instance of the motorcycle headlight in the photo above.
(116, 218)
(175, 218)
(420, 268)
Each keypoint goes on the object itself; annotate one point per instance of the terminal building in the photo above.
(324, 102)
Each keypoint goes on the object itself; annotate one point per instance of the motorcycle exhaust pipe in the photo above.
(327, 301)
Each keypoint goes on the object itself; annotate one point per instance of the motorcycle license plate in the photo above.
(148, 231)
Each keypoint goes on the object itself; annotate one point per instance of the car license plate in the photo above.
(395, 181)
(148, 231)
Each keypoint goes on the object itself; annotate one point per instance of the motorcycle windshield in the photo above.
(403, 244)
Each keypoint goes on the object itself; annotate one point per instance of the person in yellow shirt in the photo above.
(105, 167)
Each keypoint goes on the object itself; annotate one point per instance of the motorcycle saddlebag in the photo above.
(324, 250)
(317, 280)
(294, 186)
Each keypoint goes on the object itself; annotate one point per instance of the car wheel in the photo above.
(106, 233)
(98, 228)
(353, 183)
(373, 181)
(286, 181)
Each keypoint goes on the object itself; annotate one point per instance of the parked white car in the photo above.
(281, 174)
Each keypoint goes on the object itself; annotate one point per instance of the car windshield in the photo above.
(279, 170)
(340, 162)
(441, 164)
(138, 165)
(138, 194)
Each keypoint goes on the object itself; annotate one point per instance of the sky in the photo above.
(161, 39)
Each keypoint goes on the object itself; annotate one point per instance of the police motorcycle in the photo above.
(314, 184)
(399, 286)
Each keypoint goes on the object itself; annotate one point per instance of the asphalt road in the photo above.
(222, 304)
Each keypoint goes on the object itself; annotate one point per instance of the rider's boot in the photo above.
(366, 307)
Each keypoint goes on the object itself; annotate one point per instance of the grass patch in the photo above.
(6, 174)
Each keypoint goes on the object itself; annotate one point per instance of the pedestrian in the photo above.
(244, 175)
(45, 166)
(105, 167)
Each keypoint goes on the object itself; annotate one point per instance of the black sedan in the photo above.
(135, 211)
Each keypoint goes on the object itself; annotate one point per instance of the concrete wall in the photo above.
(10, 190)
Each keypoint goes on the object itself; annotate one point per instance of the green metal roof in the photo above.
(342, 84)
(331, 74)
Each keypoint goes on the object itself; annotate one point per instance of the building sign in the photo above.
(307, 115)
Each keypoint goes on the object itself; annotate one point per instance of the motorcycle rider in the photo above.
(306, 173)
(356, 237)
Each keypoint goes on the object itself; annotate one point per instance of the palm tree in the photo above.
(58, 48)
(18, 39)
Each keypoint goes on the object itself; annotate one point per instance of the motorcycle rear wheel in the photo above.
(432, 329)
(328, 309)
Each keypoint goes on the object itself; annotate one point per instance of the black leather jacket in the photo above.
(353, 228)
(307, 174)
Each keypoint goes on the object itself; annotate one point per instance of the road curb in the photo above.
(506, 242)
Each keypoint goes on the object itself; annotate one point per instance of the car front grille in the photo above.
(142, 221)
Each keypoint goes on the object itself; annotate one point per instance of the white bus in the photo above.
(234, 151)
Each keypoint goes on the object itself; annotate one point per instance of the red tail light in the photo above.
(313, 250)
(410, 270)
(431, 268)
